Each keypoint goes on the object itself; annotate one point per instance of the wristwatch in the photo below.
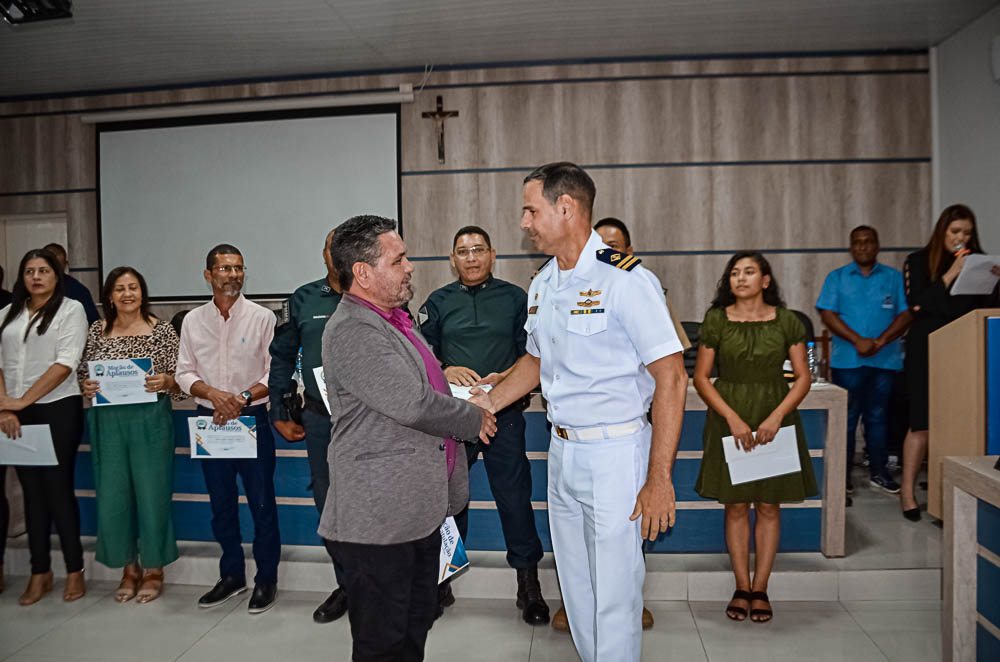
(246, 395)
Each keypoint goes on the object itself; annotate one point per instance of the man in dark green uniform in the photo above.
(476, 329)
(304, 318)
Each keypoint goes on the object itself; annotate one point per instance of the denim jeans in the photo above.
(868, 394)
(258, 483)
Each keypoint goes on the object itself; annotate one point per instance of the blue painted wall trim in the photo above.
(988, 528)
(697, 530)
(987, 590)
(987, 646)
(677, 164)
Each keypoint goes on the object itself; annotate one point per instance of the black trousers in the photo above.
(4, 512)
(509, 474)
(317, 427)
(392, 596)
(48, 491)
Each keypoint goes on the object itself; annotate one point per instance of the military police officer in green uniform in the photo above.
(475, 326)
(304, 318)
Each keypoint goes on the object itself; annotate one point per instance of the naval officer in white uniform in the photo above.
(601, 342)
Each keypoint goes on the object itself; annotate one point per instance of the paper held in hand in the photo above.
(32, 449)
(453, 556)
(976, 276)
(320, 377)
(122, 381)
(234, 439)
(778, 457)
(462, 392)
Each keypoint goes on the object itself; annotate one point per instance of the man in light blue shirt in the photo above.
(864, 305)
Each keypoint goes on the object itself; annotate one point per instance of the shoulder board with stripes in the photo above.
(619, 260)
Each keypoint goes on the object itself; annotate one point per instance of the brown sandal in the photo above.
(38, 585)
(151, 586)
(130, 581)
(75, 588)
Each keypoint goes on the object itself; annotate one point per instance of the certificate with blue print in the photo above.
(453, 555)
(122, 381)
(235, 439)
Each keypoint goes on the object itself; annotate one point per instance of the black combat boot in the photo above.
(534, 611)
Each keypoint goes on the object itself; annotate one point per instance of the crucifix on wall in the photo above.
(439, 116)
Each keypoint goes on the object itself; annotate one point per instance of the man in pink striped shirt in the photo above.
(224, 363)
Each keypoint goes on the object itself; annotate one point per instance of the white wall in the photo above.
(968, 125)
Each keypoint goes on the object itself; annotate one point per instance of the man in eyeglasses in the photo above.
(224, 363)
(475, 326)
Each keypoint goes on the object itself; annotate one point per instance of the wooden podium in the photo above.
(958, 383)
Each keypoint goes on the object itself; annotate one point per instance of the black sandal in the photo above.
(738, 613)
(761, 596)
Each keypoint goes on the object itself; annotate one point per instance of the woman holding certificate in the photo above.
(751, 334)
(128, 371)
(42, 335)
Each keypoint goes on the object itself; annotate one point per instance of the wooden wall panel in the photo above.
(706, 119)
(46, 153)
(658, 114)
(690, 279)
(462, 149)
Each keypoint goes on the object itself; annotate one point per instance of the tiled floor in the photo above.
(173, 628)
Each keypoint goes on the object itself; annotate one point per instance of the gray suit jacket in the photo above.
(388, 474)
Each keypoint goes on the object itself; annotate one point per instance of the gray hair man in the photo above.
(395, 468)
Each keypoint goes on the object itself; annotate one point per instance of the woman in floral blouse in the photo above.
(132, 445)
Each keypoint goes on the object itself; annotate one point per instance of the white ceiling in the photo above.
(111, 44)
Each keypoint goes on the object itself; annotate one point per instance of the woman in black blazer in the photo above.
(930, 274)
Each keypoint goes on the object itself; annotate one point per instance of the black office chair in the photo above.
(693, 330)
(806, 322)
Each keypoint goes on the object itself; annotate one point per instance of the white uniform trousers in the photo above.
(592, 491)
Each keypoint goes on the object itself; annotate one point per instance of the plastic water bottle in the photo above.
(813, 367)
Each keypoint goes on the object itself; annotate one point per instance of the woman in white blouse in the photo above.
(42, 336)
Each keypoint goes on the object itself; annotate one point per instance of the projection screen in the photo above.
(272, 186)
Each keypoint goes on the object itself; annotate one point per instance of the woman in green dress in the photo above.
(132, 445)
(750, 332)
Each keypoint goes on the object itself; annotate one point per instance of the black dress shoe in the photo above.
(263, 598)
(534, 611)
(913, 514)
(226, 588)
(445, 599)
(332, 608)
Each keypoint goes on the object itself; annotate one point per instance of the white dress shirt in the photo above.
(24, 361)
(231, 355)
(595, 329)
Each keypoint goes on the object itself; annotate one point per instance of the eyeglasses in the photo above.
(231, 269)
(464, 253)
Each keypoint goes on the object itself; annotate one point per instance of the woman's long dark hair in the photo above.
(20, 295)
(724, 291)
(936, 249)
(110, 312)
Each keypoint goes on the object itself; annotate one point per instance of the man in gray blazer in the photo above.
(396, 470)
